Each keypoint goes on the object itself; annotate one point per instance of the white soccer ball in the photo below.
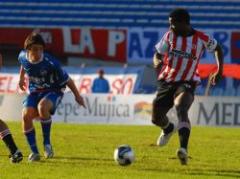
(124, 155)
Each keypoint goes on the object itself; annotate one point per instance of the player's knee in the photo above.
(43, 110)
(159, 119)
(27, 117)
(154, 120)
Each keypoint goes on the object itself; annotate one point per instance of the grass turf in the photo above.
(86, 151)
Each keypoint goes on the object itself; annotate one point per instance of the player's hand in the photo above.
(80, 101)
(216, 77)
(22, 85)
(157, 61)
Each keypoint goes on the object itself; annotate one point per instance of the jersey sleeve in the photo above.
(163, 45)
(21, 56)
(209, 42)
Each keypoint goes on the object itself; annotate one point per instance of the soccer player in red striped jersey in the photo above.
(5, 134)
(176, 59)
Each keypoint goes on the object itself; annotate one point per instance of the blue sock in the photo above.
(30, 135)
(46, 129)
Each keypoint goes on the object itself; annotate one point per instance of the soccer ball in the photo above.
(124, 155)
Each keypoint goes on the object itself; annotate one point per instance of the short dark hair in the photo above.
(33, 38)
(100, 71)
(180, 15)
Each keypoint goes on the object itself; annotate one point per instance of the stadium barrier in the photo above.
(128, 110)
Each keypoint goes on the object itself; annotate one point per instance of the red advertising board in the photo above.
(15, 37)
(102, 44)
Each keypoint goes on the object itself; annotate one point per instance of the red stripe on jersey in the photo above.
(190, 61)
(170, 62)
(195, 69)
(180, 59)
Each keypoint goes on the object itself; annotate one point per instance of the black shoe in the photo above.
(17, 157)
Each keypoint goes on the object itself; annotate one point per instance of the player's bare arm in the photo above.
(21, 83)
(73, 88)
(219, 59)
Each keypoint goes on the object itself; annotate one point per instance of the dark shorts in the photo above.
(33, 99)
(166, 92)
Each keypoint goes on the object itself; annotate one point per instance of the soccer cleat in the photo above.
(48, 151)
(33, 157)
(164, 138)
(183, 156)
(17, 157)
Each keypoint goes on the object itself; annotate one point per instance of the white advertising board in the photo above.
(129, 109)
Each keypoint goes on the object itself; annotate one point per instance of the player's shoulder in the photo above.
(168, 33)
(51, 59)
(22, 54)
(202, 35)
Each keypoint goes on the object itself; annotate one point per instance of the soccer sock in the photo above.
(46, 130)
(168, 128)
(8, 140)
(31, 138)
(184, 133)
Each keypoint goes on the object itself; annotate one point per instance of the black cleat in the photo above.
(17, 157)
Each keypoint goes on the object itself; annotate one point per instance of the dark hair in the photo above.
(100, 71)
(180, 15)
(33, 38)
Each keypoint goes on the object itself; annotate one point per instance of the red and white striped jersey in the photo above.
(182, 55)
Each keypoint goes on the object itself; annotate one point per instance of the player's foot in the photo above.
(17, 157)
(48, 151)
(183, 156)
(33, 157)
(164, 138)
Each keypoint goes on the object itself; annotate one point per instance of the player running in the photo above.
(47, 81)
(176, 59)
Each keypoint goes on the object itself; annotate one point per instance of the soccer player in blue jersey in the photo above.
(47, 81)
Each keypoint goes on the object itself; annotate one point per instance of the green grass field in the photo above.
(86, 151)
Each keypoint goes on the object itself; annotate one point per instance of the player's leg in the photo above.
(160, 106)
(46, 108)
(29, 113)
(5, 134)
(182, 103)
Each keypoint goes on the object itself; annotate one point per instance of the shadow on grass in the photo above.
(66, 159)
(75, 160)
(82, 158)
(199, 172)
